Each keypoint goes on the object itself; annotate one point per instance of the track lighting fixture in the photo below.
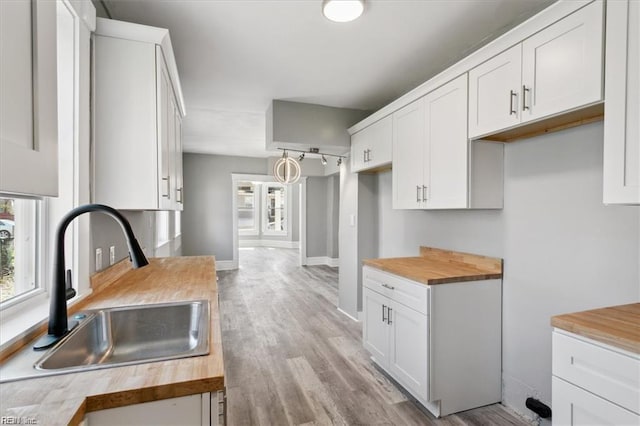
(295, 169)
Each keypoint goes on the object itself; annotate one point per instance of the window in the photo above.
(247, 201)
(275, 209)
(19, 245)
(177, 225)
(162, 228)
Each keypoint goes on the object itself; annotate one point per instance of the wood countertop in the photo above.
(437, 266)
(64, 399)
(617, 326)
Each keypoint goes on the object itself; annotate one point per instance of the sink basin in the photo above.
(132, 335)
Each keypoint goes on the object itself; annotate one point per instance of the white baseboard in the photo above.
(348, 315)
(269, 243)
(226, 265)
(323, 260)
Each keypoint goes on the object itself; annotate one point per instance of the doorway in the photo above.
(268, 214)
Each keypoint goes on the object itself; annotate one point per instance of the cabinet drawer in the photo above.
(615, 376)
(408, 293)
(577, 407)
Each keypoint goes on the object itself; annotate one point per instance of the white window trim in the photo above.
(19, 318)
(264, 209)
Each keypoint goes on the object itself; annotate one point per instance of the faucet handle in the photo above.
(69, 291)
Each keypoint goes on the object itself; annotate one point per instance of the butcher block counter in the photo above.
(437, 266)
(65, 399)
(617, 326)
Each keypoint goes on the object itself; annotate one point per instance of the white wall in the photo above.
(563, 250)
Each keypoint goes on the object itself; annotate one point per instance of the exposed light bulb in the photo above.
(339, 161)
(324, 160)
(301, 157)
(342, 10)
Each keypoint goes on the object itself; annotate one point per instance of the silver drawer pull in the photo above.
(388, 286)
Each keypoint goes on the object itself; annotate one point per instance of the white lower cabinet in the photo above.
(594, 383)
(192, 410)
(442, 343)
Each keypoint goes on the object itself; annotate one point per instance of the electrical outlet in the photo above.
(98, 259)
(112, 255)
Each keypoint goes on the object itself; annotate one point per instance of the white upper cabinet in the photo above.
(408, 156)
(562, 65)
(621, 171)
(445, 159)
(137, 108)
(434, 167)
(494, 93)
(554, 71)
(371, 147)
(28, 98)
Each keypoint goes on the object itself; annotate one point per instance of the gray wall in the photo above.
(207, 218)
(333, 215)
(563, 250)
(317, 216)
(106, 232)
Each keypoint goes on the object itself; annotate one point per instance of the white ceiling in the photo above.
(235, 56)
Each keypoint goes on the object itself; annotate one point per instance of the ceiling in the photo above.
(235, 56)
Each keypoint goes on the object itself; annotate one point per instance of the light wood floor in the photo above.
(292, 358)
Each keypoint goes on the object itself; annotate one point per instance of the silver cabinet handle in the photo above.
(424, 193)
(524, 97)
(418, 193)
(383, 308)
(388, 286)
(368, 155)
(512, 95)
(168, 194)
(364, 156)
(389, 315)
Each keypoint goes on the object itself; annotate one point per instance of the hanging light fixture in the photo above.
(342, 10)
(324, 160)
(339, 161)
(301, 157)
(286, 169)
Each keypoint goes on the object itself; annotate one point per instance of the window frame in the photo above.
(265, 209)
(257, 211)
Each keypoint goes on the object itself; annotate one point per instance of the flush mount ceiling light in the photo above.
(342, 10)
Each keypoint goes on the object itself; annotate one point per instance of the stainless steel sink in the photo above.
(133, 334)
(121, 336)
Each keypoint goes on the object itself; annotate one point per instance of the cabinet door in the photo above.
(577, 407)
(494, 88)
(375, 330)
(359, 147)
(446, 153)
(178, 161)
(621, 171)
(408, 358)
(562, 65)
(185, 411)
(381, 137)
(408, 156)
(165, 132)
(28, 98)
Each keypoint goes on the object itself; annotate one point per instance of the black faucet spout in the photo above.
(58, 324)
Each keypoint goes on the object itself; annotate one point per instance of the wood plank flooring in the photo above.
(292, 359)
